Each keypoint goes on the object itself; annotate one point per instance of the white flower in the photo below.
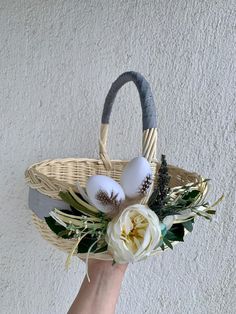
(133, 235)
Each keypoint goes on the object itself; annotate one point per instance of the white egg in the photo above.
(136, 178)
(104, 193)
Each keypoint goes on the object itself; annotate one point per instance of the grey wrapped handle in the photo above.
(149, 116)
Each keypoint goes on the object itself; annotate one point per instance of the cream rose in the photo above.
(134, 235)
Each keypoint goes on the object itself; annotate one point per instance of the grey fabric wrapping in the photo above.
(149, 116)
(42, 204)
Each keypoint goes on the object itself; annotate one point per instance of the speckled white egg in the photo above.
(136, 178)
(104, 193)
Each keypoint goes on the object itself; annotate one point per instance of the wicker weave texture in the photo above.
(51, 176)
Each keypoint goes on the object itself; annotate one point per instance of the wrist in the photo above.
(101, 293)
(106, 268)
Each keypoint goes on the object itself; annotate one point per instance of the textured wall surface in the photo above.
(57, 62)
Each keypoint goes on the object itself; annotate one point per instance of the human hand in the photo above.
(99, 296)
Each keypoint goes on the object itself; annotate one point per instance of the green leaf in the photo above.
(82, 202)
(86, 242)
(163, 247)
(188, 225)
(167, 242)
(187, 198)
(63, 233)
(68, 198)
(57, 228)
(176, 233)
(101, 249)
(203, 214)
(191, 195)
(210, 211)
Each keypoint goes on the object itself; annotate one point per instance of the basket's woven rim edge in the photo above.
(98, 160)
(35, 171)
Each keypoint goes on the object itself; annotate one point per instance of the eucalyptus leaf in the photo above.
(167, 242)
(176, 233)
(188, 225)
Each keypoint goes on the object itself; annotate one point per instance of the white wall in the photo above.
(57, 62)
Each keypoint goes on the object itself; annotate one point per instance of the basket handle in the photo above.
(149, 118)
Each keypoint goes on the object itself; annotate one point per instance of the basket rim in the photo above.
(34, 176)
(98, 161)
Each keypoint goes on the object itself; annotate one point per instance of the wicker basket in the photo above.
(48, 177)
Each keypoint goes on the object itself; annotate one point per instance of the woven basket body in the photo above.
(53, 175)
